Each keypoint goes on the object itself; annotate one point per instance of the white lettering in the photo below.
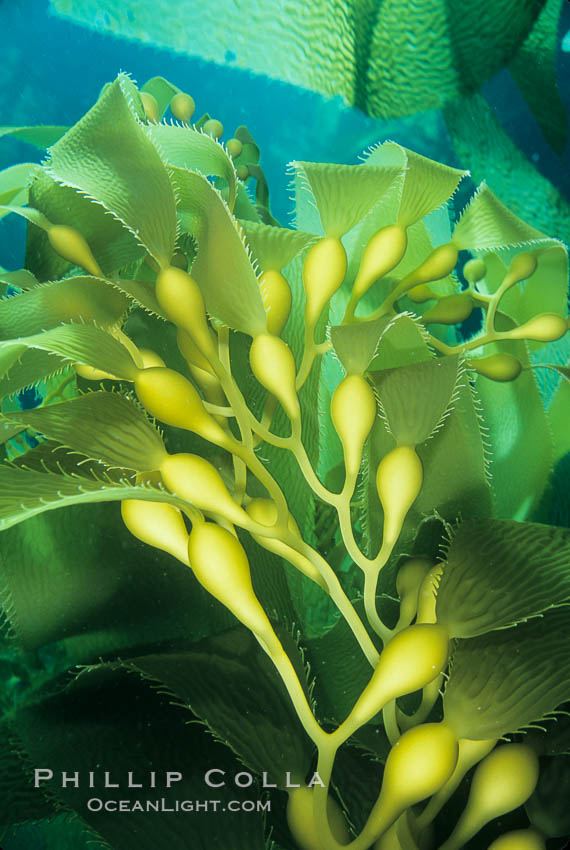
(42, 774)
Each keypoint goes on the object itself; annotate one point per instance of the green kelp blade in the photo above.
(356, 344)
(101, 705)
(340, 670)
(505, 680)
(108, 156)
(547, 808)
(426, 184)
(185, 147)
(521, 450)
(113, 245)
(558, 418)
(486, 223)
(500, 572)
(344, 194)
(274, 247)
(14, 182)
(19, 800)
(534, 69)
(231, 685)
(104, 426)
(222, 268)
(25, 493)
(78, 343)
(22, 279)
(33, 366)
(74, 299)
(415, 399)
(39, 136)
(482, 144)
(390, 59)
(402, 343)
(77, 597)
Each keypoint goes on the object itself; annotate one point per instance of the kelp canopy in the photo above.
(332, 442)
(387, 57)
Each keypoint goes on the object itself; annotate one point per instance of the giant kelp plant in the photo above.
(335, 447)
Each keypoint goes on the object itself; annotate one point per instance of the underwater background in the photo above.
(53, 69)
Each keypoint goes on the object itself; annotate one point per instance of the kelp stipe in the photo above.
(294, 421)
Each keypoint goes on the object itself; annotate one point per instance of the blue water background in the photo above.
(52, 71)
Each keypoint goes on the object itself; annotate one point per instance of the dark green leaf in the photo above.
(501, 572)
(75, 299)
(104, 426)
(508, 679)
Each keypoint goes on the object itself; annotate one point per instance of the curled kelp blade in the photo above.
(108, 156)
(25, 493)
(222, 268)
(185, 147)
(74, 343)
(113, 245)
(500, 572)
(41, 136)
(344, 194)
(14, 182)
(415, 399)
(389, 59)
(505, 680)
(74, 299)
(32, 367)
(105, 426)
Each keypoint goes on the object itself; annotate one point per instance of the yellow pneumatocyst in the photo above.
(171, 398)
(157, 523)
(496, 367)
(503, 781)
(302, 823)
(353, 411)
(273, 365)
(181, 300)
(220, 564)
(399, 479)
(421, 293)
(450, 310)
(412, 659)
(70, 244)
(474, 270)
(437, 265)
(150, 106)
(213, 128)
(234, 147)
(195, 479)
(277, 299)
(522, 267)
(519, 839)
(324, 270)
(546, 327)
(383, 252)
(182, 106)
(418, 765)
